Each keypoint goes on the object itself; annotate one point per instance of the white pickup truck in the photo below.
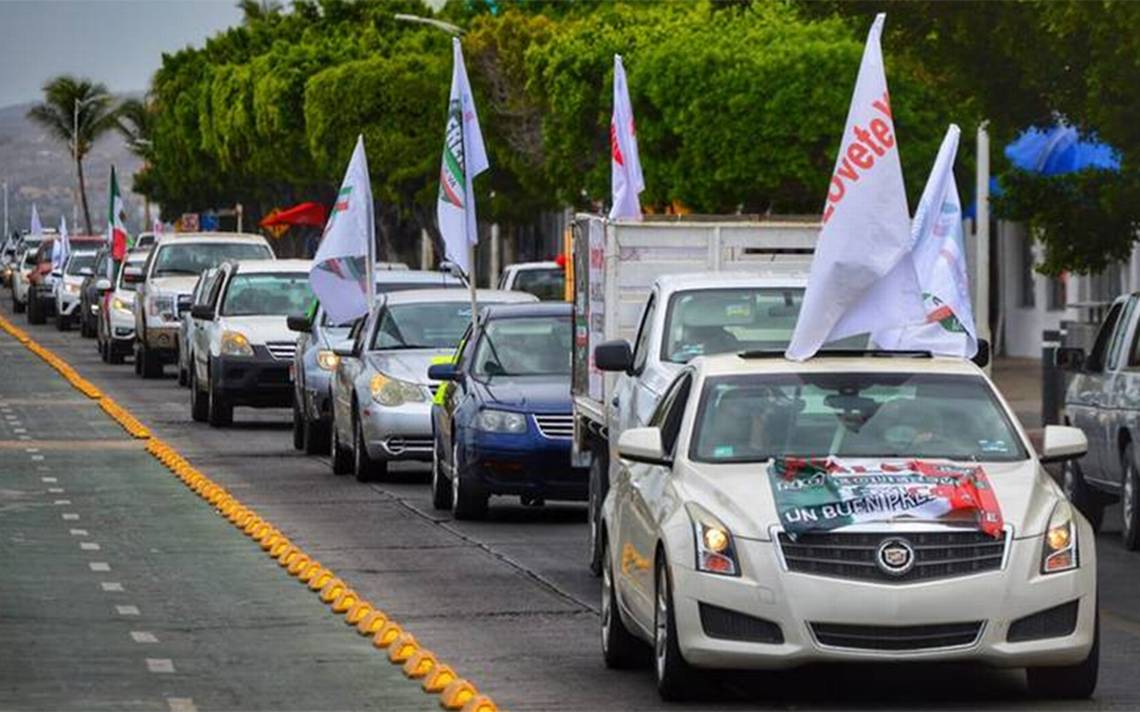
(654, 295)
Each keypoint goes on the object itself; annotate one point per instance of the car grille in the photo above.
(555, 426)
(851, 555)
(401, 445)
(906, 637)
(282, 350)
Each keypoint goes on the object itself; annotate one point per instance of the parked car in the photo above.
(8, 256)
(21, 283)
(545, 280)
(189, 326)
(115, 328)
(69, 286)
(381, 395)
(1102, 401)
(90, 296)
(860, 509)
(243, 353)
(43, 281)
(169, 274)
(503, 427)
(314, 361)
(145, 241)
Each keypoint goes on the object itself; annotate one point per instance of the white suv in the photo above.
(171, 269)
(243, 352)
(80, 265)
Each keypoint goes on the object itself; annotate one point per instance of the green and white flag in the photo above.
(464, 157)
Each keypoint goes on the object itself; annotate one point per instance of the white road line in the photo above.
(127, 610)
(160, 665)
(112, 586)
(55, 490)
(181, 704)
(70, 517)
(141, 636)
(88, 546)
(34, 457)
(99, 566)
(32, 449)
(78, 532)
(48, 479)
(63, 501)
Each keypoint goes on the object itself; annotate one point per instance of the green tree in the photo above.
(77, 112)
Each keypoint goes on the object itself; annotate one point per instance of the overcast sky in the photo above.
(117, 42)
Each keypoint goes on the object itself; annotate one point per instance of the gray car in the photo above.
(381, 395)
(314, 361)
(1103, 400)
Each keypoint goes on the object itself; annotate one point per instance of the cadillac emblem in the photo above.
(895, 556)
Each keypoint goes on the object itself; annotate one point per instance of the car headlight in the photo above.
(500, 421)
(327, 360)
(1059, 549)
(234, 343)
(71, 288)
(716, 551)
(391, 392)
(120, 305)
(161, 305)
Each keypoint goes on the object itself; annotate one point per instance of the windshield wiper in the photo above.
(405, 347)
(171, 270)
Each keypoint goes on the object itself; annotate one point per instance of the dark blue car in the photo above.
(503, 423)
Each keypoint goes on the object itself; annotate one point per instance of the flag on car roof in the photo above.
(939, 260)
(861, 277)
(116, 230)
(341, 272)
(61, 249)
(464, 157)
(625, 162)
(36, 229)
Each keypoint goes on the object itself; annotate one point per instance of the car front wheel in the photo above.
(298, 426)
(221, 411)
(620, 649)
(468, 500)
(364, 465)
(599, 486)
(1130, 501)
(674, 676)
(440, 484)
(341, 456)
(1070, 682)
(1090, 502)
(199, 405)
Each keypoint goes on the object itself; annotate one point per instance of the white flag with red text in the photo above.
(861, 276)
(625, 163)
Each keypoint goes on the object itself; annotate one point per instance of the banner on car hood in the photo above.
(824, 494)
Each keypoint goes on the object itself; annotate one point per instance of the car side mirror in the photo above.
(613, 355)
(132, 275)
(184, 303)
(1063, 442)
(982, 358)
(344, 349)
(444, 372)
(643, 445)
(299, 323)
(202, 311)
(103, 284)
(1069, 358)
(56, 273)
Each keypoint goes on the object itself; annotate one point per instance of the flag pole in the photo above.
(471, 285)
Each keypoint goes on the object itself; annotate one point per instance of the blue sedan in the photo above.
(502, 424)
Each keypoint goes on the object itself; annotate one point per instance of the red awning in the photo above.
(309, 213)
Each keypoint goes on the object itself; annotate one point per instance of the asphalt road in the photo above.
(508, 601)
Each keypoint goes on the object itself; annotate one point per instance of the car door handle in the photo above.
(615, 402)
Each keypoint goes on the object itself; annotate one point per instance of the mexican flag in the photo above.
(821, 495)
(116, 232)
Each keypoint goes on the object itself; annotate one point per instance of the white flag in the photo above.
(625, 164)
(61, 248)
(342, 268)
(464, 157)
(939, 260)
(861, 277)
(37, 229)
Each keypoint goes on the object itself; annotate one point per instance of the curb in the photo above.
(401, 648)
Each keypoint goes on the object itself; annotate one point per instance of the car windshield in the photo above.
(524, 346)
(276, 294)
(716, 321)
(193, 258)
(30, 259)
(80, 261)
(427, 325)
(753, 418)
(547, 284)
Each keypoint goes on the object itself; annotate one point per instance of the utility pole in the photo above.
(982, 234)
(75, 159)
(7, 230)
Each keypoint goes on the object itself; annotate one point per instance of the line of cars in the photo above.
(745, 511)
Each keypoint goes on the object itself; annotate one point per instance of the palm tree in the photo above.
(76, 112)
(134, 119)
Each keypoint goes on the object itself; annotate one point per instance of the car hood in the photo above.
(741, 496)
(537, 394)
(180, 284)
(411, 365)
(125, 295)
(259, 329)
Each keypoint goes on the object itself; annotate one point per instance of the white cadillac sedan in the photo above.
(850, 508)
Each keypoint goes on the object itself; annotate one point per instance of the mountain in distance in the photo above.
(39, 169)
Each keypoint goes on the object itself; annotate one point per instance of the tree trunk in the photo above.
(83, 196)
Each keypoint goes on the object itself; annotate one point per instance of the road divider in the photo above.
(417, 663)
